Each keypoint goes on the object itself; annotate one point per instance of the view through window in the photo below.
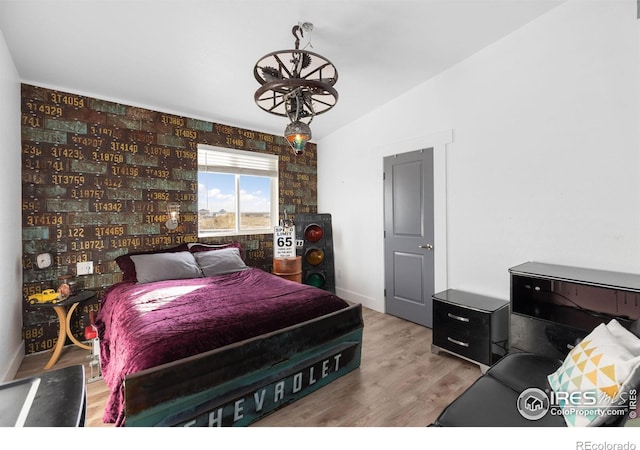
(237, 192)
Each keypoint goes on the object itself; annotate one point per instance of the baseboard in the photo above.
(354, 297)
(14, 365)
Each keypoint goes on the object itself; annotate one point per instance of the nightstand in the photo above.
(64, 318)
(471, 326)
(288, 268)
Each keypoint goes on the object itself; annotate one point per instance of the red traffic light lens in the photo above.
(314, 256)
(313, 233)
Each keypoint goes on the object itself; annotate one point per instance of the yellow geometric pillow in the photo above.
(599, 367)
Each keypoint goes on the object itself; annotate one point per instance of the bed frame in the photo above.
(238, 384)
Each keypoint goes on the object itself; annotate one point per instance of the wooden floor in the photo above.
(400, 383)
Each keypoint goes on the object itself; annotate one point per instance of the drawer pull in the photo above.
(455, 341)
(461, 319)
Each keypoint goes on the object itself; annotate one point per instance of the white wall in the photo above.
(11, 346)
(544, 163)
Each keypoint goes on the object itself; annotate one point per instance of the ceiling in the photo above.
(196, 57)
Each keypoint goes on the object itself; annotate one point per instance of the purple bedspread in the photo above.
(145, 325)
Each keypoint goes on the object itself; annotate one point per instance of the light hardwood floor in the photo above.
(399, 382)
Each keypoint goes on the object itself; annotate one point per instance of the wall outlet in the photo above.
(84, 268)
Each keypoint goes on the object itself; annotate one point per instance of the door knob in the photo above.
(428, 246)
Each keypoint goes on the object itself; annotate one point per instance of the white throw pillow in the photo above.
(604, 364)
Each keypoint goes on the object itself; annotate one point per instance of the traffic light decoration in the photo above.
(314, 230)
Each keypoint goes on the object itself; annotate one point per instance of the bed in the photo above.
(194, 337)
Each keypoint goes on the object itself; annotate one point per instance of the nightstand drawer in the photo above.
(455, 317)
(474, 349)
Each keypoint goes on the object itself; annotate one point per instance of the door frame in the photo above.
(437, 141)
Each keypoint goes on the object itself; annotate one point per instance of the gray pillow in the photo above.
(165, 266)
(218, 262)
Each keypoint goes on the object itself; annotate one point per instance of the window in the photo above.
(237, 192)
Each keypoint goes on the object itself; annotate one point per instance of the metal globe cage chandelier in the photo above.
(296, 84)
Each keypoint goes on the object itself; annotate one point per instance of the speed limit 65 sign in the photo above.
(284, 242)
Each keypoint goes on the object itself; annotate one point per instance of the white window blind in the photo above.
(225, 160)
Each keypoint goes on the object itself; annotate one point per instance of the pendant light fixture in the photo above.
(296, 84)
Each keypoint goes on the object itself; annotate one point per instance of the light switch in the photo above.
(84, 268)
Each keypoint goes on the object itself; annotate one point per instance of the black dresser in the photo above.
(471, 326)
(553, 306)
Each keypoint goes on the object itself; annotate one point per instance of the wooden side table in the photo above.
(64, 319)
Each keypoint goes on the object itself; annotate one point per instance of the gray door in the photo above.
(408, 236)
